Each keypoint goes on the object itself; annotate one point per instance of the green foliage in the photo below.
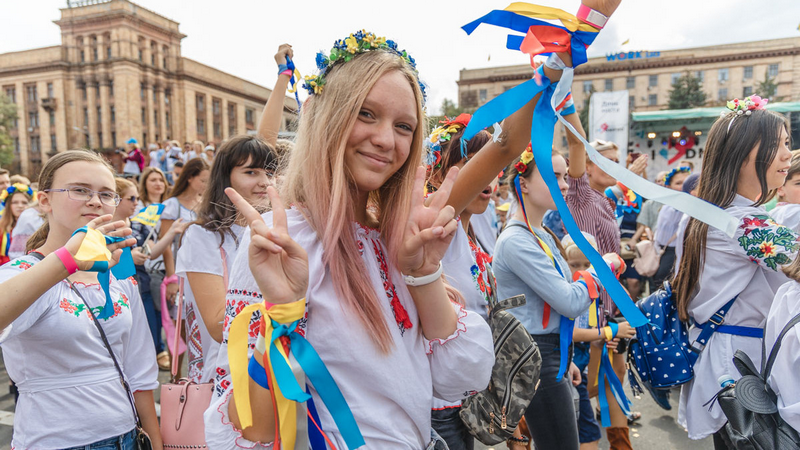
(687, 92)
(8, 114)
(767, 88)
(449, 109)
(761, 240)
(583, 114)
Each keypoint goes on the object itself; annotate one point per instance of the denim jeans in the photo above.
(449, 426)
(153, 320)
(122, 442)
(551, 414)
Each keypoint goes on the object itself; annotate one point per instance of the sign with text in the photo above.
(608, 119)
(624, 56)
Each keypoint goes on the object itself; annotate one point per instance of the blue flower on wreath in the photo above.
(322, 61)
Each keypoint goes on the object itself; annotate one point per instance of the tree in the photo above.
(8, 115)
(687, 92)
(449, 109)
(767, 88)
(584, 112)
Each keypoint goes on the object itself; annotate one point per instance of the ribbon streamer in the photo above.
(94, 248)
(293, 81)
(278, 321)
(605, 372)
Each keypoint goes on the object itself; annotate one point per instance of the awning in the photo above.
(703, 113)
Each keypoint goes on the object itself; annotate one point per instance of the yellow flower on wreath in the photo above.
(352, 44)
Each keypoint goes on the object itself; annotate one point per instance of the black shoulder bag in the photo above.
(142, 440)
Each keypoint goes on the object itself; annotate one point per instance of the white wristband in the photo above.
(422, 281)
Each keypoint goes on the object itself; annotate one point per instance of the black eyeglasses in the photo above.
(83, 194)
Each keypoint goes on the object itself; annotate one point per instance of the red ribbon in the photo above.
(546, 39)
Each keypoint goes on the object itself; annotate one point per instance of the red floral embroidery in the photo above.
(67, 306)
(400, 313)
(225, 384)
(482, 259)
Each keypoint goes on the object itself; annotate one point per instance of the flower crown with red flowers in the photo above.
(524, 160)
(440, 136)
(743, 107)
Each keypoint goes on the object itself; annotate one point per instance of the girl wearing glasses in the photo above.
(51, 347)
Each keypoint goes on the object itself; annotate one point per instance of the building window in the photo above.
(141, 55)
(82, 87)
(630, 82)
(482, 94)
(200, 101)
(142, 91)
(674, 78)
(110, 88)
(52, 118)
(95, 54)
(100, 139)
(248, 116)
(50, 93)
(700, 75)
(201, 127)
(167, 93)
(85, 117)
(99, 117)
(155, 119)
(748, 91)
(652, 99)
(144, 117)
(155, 95)
(609, 85)
(217, 130)
(231, 119)
(53, 146)
(113, 138)
(722, 75)
(653, 81)
(772, 70)
(11, 93)
(16, 146)
(722, 94)
(588, 87)
(166, 119)
(31, 92)
(108, 52)
(83, 56)
(215, 106)
(748, 72)
(33, 119)
(97, 90)
(631, 101)
(35, 144)
(113, 114)
(152, 58)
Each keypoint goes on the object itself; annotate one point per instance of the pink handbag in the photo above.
(183, 402)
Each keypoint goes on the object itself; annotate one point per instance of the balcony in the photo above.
(49, 103)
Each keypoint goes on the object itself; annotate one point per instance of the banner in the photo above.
(608, 119)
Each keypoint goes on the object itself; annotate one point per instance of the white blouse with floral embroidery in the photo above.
(389, 395)
(70, 393)
(748, 264)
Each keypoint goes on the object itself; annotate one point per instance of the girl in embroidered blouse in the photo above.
(247, 164)
(15, 203)
(746, 159)
(51, 348)
(357, 225)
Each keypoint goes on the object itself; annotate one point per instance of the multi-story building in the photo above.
(726, 71)
(117, 74)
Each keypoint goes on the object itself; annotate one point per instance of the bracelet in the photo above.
(592, 17)
(422, 281)
(283, 68)
(286, 72)
(66, 258)
(515, 440)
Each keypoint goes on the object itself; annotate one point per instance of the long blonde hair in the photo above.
(46, 177)
(317, 179)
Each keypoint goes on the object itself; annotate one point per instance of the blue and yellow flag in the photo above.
(149, 216)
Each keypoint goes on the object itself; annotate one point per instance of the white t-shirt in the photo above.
(70, 394)
(389, 395)
(485, 227)
(201, 254)
(783, 378)
(29, 221)
(186, 156)
(173, 210)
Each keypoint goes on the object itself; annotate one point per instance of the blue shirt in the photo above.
(522, 267)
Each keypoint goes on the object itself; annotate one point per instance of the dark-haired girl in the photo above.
(247, 164)
(746, 159)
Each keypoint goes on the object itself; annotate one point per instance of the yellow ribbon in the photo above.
(593, 314)
(237, 357)
(569, 21)
(297, 77)
(93, 247)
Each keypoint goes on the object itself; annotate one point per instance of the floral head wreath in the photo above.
(668, 177)
(346, 49)
(13, 189)
(744, 107)
(524, 160)
(440, 136)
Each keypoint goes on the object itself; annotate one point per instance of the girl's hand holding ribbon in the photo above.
(278, 263)
(105, 226)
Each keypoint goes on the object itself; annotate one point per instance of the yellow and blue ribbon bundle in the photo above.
(149, 216)
(93, 248)
(279, 321)
(292, 80)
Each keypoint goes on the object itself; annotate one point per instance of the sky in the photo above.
(241, 36)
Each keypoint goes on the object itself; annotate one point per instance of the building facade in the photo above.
(117, 74)
(726, 71)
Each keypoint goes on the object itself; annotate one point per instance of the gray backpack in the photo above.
(492, 415)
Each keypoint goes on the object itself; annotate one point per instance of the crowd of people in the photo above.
(392, 242)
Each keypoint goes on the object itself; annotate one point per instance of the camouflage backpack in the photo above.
(492, 415)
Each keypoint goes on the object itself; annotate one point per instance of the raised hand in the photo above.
(429, 229)
(104, 225)
(283, 51)
(606, 7)
(278, 263)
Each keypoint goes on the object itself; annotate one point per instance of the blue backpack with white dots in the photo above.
(661, 355)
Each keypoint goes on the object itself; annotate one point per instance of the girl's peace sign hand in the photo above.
(278, 263)
(429, 229)
(105, 226)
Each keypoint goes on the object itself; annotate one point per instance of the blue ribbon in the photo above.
(290, 66)
(122, 270)
(257, 373)
(614, 329)
(319, 376)
(607, 373)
